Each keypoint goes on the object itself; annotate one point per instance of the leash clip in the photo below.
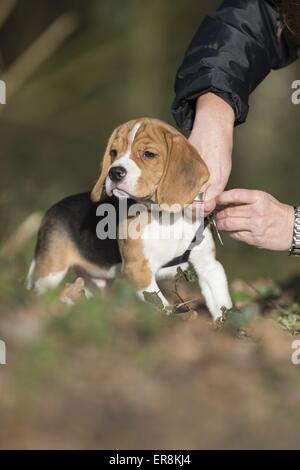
(199, 197)
(212, 221)
(211, 218)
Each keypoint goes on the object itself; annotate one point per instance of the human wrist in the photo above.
(213, 126)
(211, 106)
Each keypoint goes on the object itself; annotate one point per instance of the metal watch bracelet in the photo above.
(295, 248)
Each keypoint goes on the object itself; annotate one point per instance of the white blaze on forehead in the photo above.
(133, 171)
(131, 137)
(132, 134)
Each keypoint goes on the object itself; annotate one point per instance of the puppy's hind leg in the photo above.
(51, 262)
(49, 281)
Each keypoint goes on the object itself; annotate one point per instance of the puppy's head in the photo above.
(147, 159)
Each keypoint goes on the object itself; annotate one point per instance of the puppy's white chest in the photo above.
(163, 241)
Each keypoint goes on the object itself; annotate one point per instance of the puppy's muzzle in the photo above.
(117, 173)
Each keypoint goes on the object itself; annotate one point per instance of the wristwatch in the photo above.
(295, 248)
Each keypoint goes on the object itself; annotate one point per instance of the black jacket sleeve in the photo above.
(230, 54)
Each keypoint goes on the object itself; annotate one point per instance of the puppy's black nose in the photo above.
(117, 173)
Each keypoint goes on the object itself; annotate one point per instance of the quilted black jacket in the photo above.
(231, 53)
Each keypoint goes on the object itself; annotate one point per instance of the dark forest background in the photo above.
(77, 68)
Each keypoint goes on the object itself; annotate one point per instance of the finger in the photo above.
(232, 224)
(209, 206)
(205, 187)
(237, 196)
(235, 211)
(211, 192)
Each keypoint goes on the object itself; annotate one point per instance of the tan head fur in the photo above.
(158, 162)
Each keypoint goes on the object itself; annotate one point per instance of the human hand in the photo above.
(256, 218)
(212, 136)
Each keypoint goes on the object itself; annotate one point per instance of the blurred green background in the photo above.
(112, 372)
(77, 68)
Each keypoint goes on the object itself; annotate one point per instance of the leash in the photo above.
(199, 237)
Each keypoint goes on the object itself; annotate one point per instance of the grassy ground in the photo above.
(113, 372)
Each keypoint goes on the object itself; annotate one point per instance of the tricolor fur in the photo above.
(145, 160)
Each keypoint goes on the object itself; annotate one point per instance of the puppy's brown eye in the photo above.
(149, 155)
(113, 153)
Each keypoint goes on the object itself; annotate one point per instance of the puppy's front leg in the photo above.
(144, 278)
(138, 269)
(211, 275)
(153, 287)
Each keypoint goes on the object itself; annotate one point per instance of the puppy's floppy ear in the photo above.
(98, 192)
(184, 174)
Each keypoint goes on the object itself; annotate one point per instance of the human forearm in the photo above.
(212, 136)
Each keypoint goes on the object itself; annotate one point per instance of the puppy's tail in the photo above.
(29, 278)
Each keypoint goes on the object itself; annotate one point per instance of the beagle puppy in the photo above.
(145, 161)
